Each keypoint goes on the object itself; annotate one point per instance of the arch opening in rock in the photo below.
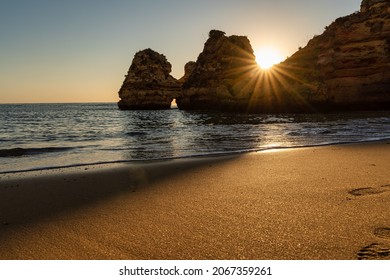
(174, 104)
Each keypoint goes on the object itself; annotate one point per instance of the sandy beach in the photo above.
(328, 202)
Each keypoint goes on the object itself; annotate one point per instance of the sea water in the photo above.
(40, 136)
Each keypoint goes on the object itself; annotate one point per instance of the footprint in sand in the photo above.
(374, 251)
(369, 190)
(382, 233)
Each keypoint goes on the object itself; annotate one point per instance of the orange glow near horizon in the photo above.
(267, 89)
(268, 57)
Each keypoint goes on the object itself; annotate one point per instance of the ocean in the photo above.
(45, 136)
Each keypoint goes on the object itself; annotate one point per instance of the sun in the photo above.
(267, 57)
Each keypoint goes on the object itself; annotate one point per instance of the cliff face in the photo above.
(348, 66)
(345, 68)
(148, 84)
(188, 69)
(218, 78)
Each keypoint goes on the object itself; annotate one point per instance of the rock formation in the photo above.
(219, 77)
(188, 69)
(148, 83)
(367, 5)
(347, 67)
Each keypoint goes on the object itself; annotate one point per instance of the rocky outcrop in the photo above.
(188, 69)
(148, 83)
(347, 67)
(218, 78)
(367, 5)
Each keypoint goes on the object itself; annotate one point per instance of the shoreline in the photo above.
(205, 156)
(327, 202)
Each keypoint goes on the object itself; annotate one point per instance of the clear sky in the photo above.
(80, 50)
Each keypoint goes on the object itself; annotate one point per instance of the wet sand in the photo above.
(327, 202)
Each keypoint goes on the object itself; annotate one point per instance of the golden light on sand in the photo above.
(267, 57)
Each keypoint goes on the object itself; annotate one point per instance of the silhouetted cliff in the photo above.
(347, 67)
(219, 77)
(148, 83)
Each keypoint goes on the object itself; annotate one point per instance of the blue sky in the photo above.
(79, 51)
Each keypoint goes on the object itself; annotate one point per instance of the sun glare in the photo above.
(267, 57)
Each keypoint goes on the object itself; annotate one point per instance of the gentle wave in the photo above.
(136, 133)
(41, 136)
(19, 152)
(194, 156)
